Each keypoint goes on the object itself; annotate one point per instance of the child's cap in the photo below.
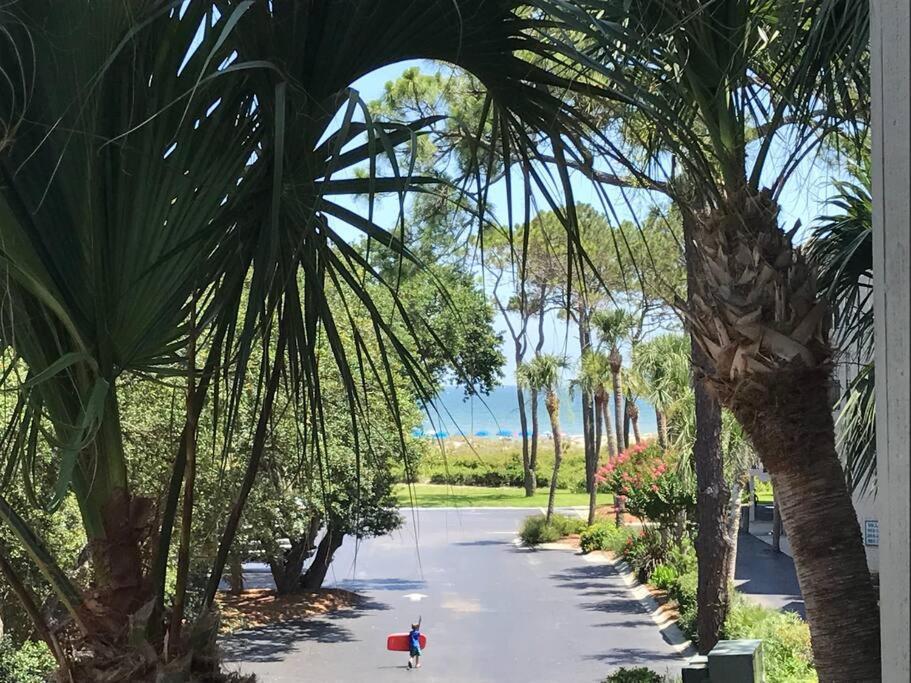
(414, 626)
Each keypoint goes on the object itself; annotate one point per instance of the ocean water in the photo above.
(455, 414)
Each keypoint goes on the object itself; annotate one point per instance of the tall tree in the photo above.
(151, 156)
(711, 80)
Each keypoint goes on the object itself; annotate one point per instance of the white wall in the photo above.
(890, 29)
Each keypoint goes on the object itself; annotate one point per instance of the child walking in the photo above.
(414, 637)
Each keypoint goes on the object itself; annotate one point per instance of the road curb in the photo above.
(666, 626)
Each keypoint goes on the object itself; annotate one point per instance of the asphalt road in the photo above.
(492, 612)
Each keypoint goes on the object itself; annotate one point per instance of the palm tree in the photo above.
(542, 374)
(712, 79)
(592, 377)
(153, 156)
(613, 327)
(662, 366)
(842, 248)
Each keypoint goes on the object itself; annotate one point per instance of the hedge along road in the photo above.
(492, 611)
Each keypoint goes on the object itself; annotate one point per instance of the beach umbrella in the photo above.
(417, 431)
(483, 432)
(504, 432)
(440, 435)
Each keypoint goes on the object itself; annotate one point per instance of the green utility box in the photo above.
(736, 661)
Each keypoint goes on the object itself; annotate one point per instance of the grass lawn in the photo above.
(441, 495)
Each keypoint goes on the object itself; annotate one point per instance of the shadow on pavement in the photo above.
(483, 543)
(634, 655)
(272, 643)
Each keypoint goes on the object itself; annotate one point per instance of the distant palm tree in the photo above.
(592, 377)
(613, 327)
(662, 367)
(542, 374)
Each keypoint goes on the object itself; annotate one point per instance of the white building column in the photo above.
(891, 71)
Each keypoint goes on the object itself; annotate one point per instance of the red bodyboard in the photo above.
(401, 642)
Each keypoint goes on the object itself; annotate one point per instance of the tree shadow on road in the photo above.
(272, 643)
(634, 656)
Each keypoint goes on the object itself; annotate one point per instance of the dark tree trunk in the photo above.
(235, 574)
(626, 429)
(712, 547)
(316, 572)
(286, 571)
(712, 497)
(531, 476)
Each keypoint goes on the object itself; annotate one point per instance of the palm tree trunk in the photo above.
(531, 476)
(599, 422)
(608, 430)
(632, 412)
(774, 374)
(523, 424)
(553, 410)
(617, 381)
(793, 432)
(661, 419)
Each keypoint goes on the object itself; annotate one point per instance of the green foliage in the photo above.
(30, 662)
(683, 592)
(535, 530)
(604, 535)
(663, 576)
(640, 674)
(645, 551)
(491, 464)
(785, 638)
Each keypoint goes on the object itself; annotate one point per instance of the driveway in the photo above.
(492, 611)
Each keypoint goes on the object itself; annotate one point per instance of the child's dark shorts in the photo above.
(415, 652)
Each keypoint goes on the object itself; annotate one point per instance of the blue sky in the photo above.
(802, 199)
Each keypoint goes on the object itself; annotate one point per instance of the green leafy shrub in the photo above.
(683, 592)
(664, 576)
(29, 663)
(535, 530)
(785, 637)
(682, 557)
(645, 552)
(604, 535)
(638, 675)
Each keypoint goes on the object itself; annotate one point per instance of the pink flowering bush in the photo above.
(644, 477)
